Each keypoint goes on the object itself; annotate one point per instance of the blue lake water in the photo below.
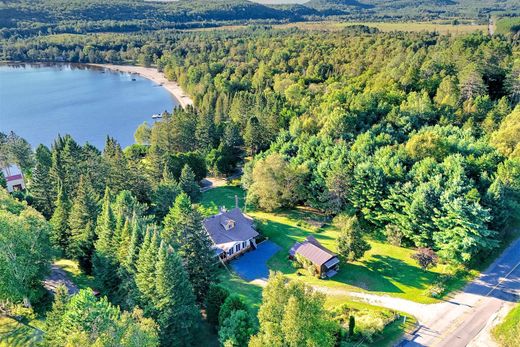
(38, 102)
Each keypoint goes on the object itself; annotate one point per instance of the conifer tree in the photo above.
(104, 260)
(41, 185)
(118, 175)
(60, 222)
(81, 224)
(164, 196)
(128, 292)
(177, 315)
(145, 278)
(188, 184)
(184, 231)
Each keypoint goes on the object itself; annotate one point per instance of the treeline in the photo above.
(21, 18)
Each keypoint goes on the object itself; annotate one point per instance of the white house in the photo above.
(14, 177)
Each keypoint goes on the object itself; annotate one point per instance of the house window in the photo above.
(238, 247)
(230, 252)
(244, 244)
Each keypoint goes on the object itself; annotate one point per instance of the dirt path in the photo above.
(58, 277)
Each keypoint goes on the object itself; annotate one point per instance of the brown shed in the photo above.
(326, 262)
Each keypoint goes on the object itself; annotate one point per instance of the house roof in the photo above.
(313, 250)
(241, 231)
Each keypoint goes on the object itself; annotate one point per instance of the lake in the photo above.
(38, 102)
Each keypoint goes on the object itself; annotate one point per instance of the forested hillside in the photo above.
(26, 18)
(408, 138)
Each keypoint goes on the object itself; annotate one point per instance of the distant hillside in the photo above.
(415, 8)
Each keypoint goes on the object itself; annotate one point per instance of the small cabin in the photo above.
(325, 261)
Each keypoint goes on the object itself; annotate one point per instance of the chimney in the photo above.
(236, 201)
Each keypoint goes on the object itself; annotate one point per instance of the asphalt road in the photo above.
(458, 321)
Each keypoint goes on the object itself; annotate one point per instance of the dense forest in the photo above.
(414, 135)
(22, 18)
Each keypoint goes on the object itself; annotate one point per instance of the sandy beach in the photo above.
(153, 75)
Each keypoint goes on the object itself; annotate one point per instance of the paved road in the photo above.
(456, 322)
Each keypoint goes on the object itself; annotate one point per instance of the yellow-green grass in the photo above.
(507, 333)
(392, 332)
(385, 269)
(75, 274)
(440, 27)
(13, 333)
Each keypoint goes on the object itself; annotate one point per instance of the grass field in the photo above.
(385, 269)
(440, 27)
(507, 25)
(507, 333)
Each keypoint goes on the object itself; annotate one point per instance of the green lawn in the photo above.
(385, 269)
(507, 333)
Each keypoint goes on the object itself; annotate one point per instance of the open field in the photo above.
(442, 28)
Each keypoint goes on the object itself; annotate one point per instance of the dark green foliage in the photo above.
(351, 244)
(184, 231)
(214, 300)
(85, 320)
(188, 184)
(177, 314)
(351, 325)
(60, 222)
(176, 162)
(232, 303)
(236, 329)
(41, 185)
(82, 222)
(104, 260)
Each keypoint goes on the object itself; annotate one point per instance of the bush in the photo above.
(366, 323)
(438, 289)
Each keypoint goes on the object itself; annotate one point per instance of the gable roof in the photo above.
(313, 250)
(241, 231)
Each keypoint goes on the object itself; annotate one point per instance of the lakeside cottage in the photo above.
(232, 233)
(14, 178)
(325, 261)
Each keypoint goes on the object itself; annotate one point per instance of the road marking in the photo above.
(459, 321)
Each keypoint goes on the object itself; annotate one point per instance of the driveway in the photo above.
(456, 322)
(253, 265)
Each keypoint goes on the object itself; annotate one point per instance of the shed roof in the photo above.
(313, 250)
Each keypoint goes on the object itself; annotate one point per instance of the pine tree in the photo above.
(184, 231)
(81, 224)
(128, 292)
(118, 175)
(104, 260)
(60, 222)
(145, 278)
(177, 315)
(188, 184)
(41, 185)
(164, 196)
(215, 298)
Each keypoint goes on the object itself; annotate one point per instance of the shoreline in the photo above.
(153, 75)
